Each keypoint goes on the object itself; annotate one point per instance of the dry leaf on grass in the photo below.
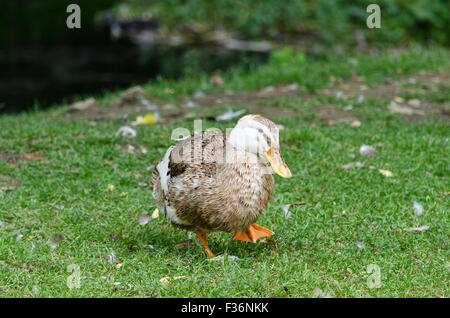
(167, 280)
(398, 99)
(271, 241)
(126, 132)
(418, 229)
(33, 156)
(386, 173)
(356, 164)
(155, 214)
(286, 212)
(366, 150)
(111, 257)
(184, 244)
(414, 102)
(418, 208)
(143, 218)
(147, 119)
(355, 123)
(319, 293)
(286, 207)
(111, 187)
(230, 114)
(394, 108)
(360, 245)
(222, 258)
(82, 105)
(55, 239)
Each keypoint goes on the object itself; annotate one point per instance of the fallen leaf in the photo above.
(319, 293)
(419, 229)
(184, 244)
(366, 150)
(155, 214)
(286, 212)
(386, 173)
(126, 132)
(82, 105)
(119, 265)
(414, 102)
(360, 245)
(355, 123)
(348, 107)
(356, 164)
(111, 257)
(270, 241)
(222, 258)
(230, 114)
(33, 156)
(418, 208)
(167, 280)
(57, 237)
(398, 99)
(143, 218)
(147, 119)
(111, 187)
(394, 108)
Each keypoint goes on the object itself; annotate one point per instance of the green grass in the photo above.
(319, 246)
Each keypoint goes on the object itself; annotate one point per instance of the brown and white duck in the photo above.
(217, 181)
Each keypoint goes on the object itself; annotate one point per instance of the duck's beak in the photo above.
(277, 163)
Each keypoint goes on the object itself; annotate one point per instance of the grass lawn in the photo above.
(351, 217)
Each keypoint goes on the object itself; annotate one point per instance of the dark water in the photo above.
(43, 63)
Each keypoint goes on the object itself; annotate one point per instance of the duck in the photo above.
(221, 181)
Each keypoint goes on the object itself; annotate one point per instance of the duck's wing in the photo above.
(201, 154)
(185, 166)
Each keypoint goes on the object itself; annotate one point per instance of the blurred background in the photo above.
(125, 42)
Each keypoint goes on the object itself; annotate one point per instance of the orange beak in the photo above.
(278, 164)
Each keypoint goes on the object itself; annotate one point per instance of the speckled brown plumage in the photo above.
(209, 193)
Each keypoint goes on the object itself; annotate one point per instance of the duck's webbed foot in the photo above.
(253, 233)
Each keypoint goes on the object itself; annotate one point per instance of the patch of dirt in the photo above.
(136, 101)
(8, 183)
(12, 158)
(332, 116)
(420, 83)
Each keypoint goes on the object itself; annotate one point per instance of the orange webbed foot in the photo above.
(253, 233)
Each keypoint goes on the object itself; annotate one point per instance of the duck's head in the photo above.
(259, 135)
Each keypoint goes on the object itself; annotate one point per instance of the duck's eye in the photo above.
(262, 132)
